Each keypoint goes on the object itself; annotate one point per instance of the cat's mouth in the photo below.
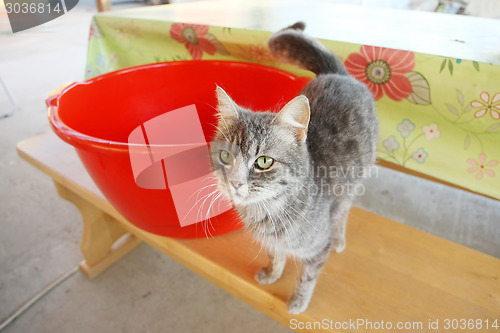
(244, 197)
(238, 199)
(238, 196)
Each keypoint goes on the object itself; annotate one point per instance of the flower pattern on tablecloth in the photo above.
(383, 71)
(260, 53)
(94, 30)
(195, 38)
(463, 117)
(447, 102)
(482, 167)
(405, 128)
(391, 144)
(431, 132)
(127, 30)
(450, 61)
(407, 131)
(420, 155)
(486, 104)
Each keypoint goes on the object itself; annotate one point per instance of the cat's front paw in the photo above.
(338, 244)
(264, 277)
(297, 304)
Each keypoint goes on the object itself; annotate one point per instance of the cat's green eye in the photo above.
(264, 162)
(226, 157)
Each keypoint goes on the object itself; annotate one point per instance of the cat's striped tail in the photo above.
(291, 45)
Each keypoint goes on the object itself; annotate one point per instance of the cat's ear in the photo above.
(227, 108)
(296, 114)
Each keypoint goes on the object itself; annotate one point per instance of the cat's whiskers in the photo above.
(220, 131)
(225, 124)
(290, 218)
(258, 241)
(197, 192)
(264, 241)
(194, 205)
(285, 220)
(221, 118)
(199, 213)
(207, 216)
(208, 178)
(292, 228)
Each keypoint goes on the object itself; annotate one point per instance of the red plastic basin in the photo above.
(98, 115)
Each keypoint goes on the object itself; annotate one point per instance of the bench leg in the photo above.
(104, 240)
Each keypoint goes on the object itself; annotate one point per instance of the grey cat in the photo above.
(292, 176)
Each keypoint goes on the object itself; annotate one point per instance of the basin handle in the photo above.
(50, 101)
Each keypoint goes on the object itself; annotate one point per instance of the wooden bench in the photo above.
(389, 274)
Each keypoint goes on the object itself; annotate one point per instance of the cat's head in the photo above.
(259, 156)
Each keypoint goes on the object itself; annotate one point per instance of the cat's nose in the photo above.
(236, 184)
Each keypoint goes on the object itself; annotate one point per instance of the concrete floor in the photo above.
(146, 291)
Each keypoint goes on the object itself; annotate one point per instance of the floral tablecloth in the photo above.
(438, 115)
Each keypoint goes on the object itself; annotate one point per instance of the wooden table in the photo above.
(390, 274)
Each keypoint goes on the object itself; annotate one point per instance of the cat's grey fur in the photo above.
(322, 145)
